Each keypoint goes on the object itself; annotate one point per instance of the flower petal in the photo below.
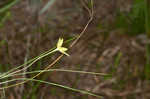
(60, 48)
(60, 42)
(64, 52)
(63, 49)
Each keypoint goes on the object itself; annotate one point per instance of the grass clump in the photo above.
(132, 22)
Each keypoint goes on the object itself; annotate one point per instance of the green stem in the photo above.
(147, 17)
(147, 28)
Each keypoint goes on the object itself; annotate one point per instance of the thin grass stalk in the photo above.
(147, 17)
(147, 27)
(14, 70)
(31, 63)
(54, 84)
(59, 70)
(3, 9)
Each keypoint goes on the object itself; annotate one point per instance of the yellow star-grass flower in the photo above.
(60, 48)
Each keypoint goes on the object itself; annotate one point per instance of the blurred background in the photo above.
(116, 42)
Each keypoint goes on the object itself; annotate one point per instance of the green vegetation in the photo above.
(147, 28)
(4, 10)
(132, 22)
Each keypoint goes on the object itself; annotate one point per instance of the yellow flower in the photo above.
(60, 48)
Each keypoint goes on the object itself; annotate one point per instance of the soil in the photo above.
(27, 34)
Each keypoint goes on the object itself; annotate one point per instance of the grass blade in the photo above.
(147, 27)
(8, 6)
(49, 4)
(54, 84)
(59, 70)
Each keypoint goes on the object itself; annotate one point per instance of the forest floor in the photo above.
(101, 49)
